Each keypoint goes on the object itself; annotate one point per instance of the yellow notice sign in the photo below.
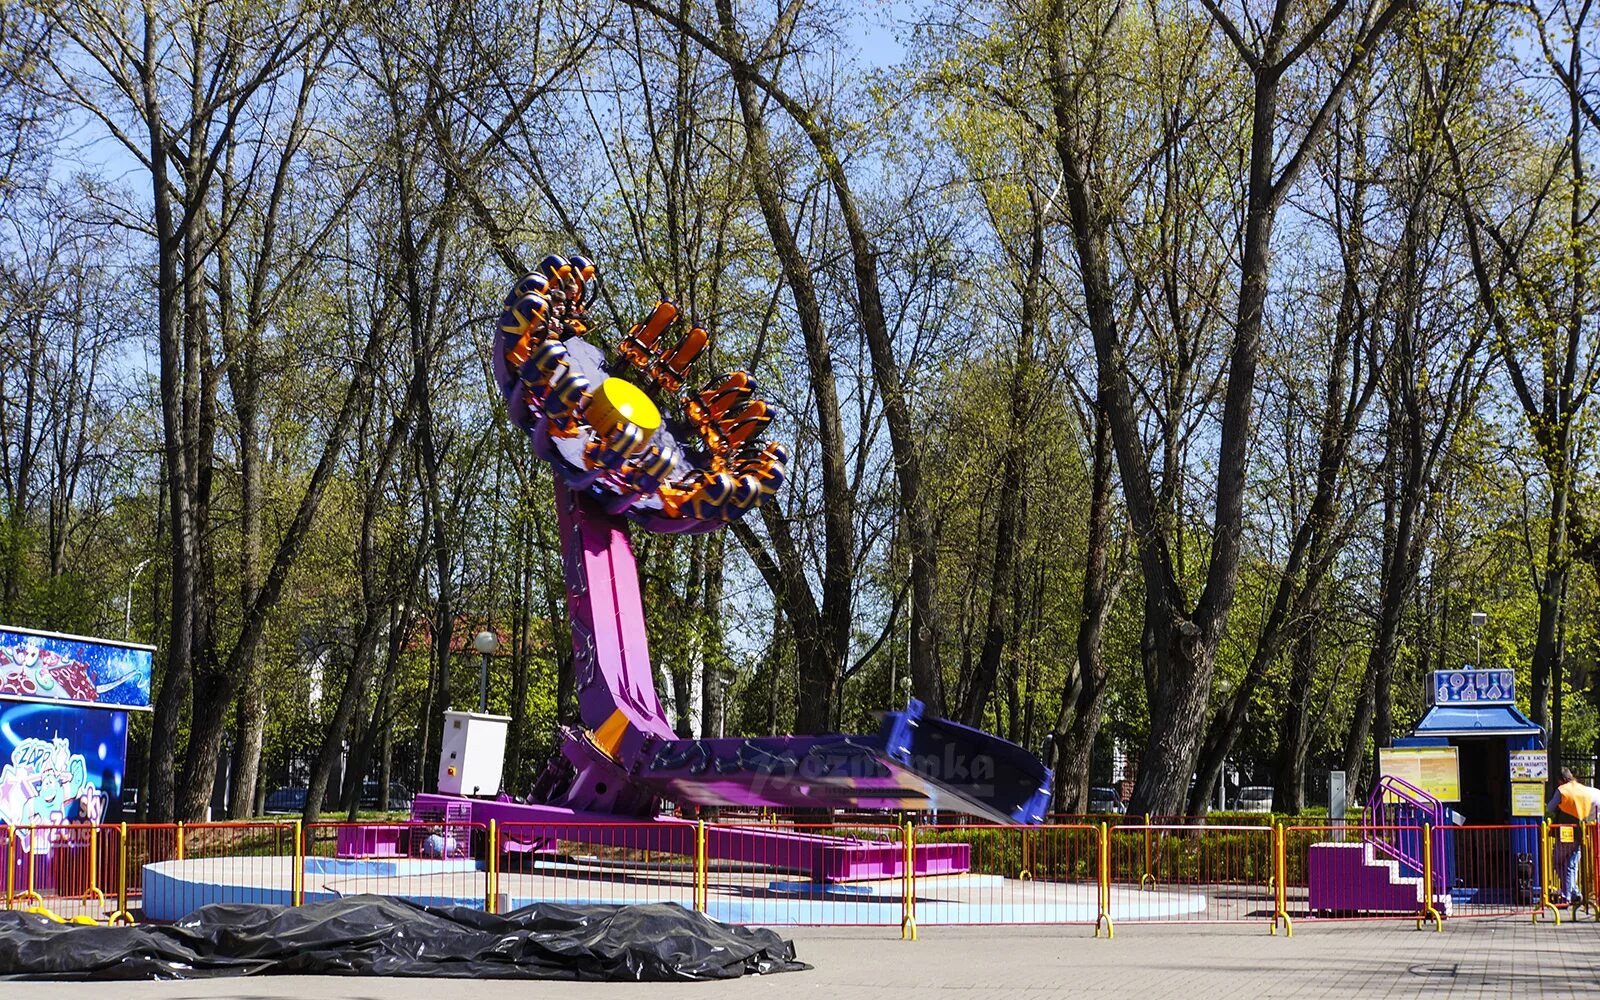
(1527, 798)
(1435, 770)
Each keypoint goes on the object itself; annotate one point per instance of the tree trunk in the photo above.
(1295, 730)
(250, 727)
(521, 642)
(1179, 644)
(439, 699)
(216, 681)
(384, 716)
(1355, 748)
(176, 677)
(715, 677)
(431, 462)
(244, 383)
(821, 634)
(377, 598)
(333, 740)
(1317, 538)
(1550, 585)
(1013, 471)
(1074, 741)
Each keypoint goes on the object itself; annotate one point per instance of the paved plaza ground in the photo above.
(1471, 958)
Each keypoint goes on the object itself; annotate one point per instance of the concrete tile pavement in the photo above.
(1471, 958)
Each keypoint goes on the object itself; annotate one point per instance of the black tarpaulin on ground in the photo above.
(382, 936)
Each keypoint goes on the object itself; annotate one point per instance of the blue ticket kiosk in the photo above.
(1500, 753)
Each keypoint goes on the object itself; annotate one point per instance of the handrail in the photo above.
(1406, 793)
(1390, 789)
(1406, 789)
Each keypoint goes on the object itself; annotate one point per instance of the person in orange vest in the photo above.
(1573, 802)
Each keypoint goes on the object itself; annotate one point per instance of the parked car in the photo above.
(1105, 800)
(399, 795)
(1254, 799)
(286, 800)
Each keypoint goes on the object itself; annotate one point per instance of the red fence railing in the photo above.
(850, 871)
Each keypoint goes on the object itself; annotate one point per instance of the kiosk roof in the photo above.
(1487, 720)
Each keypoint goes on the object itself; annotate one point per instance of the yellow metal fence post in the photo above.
(93, 892)
(1586, 872)
(297, 878)
(180, 840)
(28, 895)
(493, 882)
(1428, 911)
(911, 875)
(122, 913)
(1279, 879)
(1272, 876)
(1148, 879)
(1591, 893)
(702, 876)
(1283, 880)
(908, 883)
(1546, 870)
(1104, 879)
(11, 866)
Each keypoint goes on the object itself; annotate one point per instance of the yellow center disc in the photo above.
(617, 402)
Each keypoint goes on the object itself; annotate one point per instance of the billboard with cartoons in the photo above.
(45, 666)
(59, 764)
(64, 730)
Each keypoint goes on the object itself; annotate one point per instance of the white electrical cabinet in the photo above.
(473, 753)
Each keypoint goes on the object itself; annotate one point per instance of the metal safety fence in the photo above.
(1014, 874)
(1172, 872)
(433, 863)
(1570, 875)
(68, 869)
(615, 863)
(856, 870)
(172, 870)
(1350, 871)
(806, 873)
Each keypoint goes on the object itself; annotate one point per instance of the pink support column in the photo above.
(611, 651)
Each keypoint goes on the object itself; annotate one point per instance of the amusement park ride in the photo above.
(671, 459)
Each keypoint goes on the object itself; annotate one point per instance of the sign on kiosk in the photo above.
(1530, 765)
(1435, 770)
(1474, 687)
(1527, 798)
(1529, 769)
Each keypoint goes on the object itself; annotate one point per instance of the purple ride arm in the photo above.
(611, 652)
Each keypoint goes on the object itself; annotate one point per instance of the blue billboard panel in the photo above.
(43, 666)
(1474, 687)
(60, 764)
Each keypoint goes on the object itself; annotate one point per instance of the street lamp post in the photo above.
(724, 682)
(1224, 689)
(1479, 620)
(485, 642)
(127, 608)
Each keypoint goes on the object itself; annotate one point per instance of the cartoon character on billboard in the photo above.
(31, 670)
(43, 668)
(41, 786)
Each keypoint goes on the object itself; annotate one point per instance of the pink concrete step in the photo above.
(1354, 877)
